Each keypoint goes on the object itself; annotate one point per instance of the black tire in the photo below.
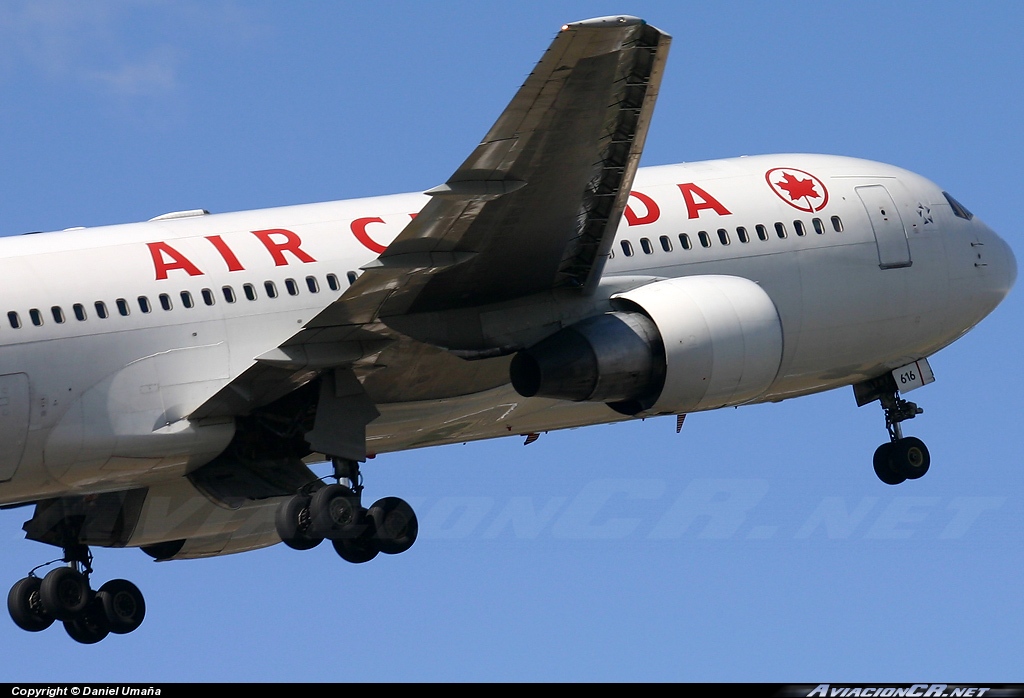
(910, 457)
(123, 605)
(334, 512)
(293, 523)
(883, 463)
(357, 549)
(25, 607)
(90, 626)
(65, 593)
(395, 523)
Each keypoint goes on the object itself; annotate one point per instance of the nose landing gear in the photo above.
(64, 594)
(903, 457)
(335, 512)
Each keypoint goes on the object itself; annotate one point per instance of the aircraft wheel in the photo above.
(65, 593)
(90, 626)
(357, 548)
(883, 463)
(334, 512)
(395, 523)
(25, 607)
(910, 457)
(294, 524)
(122, 604)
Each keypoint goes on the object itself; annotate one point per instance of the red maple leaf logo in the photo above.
(798, 188)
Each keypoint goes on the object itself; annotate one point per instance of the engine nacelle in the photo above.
(612, 358)
(673, 346)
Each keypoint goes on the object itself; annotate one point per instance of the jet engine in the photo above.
(670, 347)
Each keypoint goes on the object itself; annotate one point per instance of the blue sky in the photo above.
(755, 546)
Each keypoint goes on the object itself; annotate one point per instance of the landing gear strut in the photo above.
(903, 457)
(65, 594)
(335, 512)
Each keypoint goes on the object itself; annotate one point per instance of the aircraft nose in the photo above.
(985, 271)
(1002, 261)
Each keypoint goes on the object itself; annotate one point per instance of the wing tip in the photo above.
(614, 22)
(609, 21)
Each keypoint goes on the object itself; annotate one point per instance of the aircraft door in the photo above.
(890, 235)
(14, 404)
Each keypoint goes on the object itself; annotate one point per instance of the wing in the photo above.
(536, 205)
(533, 209)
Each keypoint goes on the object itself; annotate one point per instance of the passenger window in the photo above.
(705, 239)
(648, 248)
(684, 240)
(12, 317)
(312, 285)
(666, 243)
(799, 227)
(351, 276)
(79, 311)
(837, 224)
(101, 310)
(292, 287)
(741, 233)
(723, 236)
(35, 316)
(780, 230)
(627, 249)
(270, 288)
(58, 314)
(144, 305)
(229, 294)
(186, 299)
(122, 307)
(165, 301)
(819, 228)
(762, 232)
(335, 285)
(208, 296)
(250, 291)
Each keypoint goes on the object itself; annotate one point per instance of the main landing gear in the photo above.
(65, 594)
(904, 457)
(335, 512)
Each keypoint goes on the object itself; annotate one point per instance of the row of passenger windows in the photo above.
(166, 301)
(291, 286)
(725, 236)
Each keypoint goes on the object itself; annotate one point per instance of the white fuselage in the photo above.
(92, 403)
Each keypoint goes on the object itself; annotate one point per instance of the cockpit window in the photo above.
(958, 208)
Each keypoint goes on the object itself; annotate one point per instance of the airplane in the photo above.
(166, 385)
